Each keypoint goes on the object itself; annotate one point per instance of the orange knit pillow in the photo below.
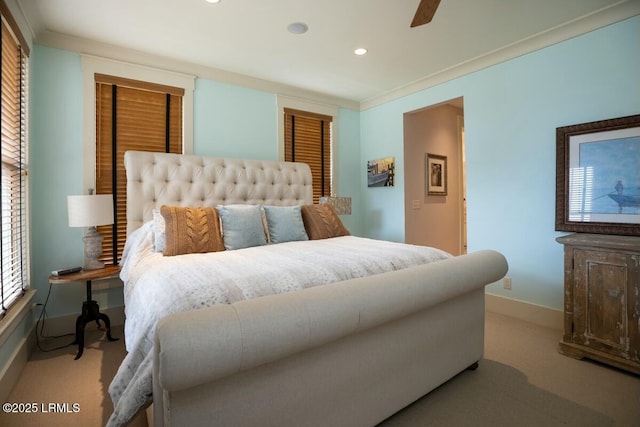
(191, 230)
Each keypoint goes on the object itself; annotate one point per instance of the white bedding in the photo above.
(156, 286)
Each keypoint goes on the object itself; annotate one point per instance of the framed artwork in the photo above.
(380, 172)
(598, 177)
(436, 174)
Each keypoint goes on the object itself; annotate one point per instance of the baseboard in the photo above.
(67, 324)
(536, 314)
(12, 335)
(12, 371)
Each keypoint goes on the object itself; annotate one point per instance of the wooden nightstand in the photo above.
(602, 299)
(90, 309)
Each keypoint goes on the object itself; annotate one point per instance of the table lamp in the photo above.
(90, 211)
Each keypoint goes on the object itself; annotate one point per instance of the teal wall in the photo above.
(349, 167)
(56, 171)
(511, 112)
(230, 121)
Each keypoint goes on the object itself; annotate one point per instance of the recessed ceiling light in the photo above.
(360, 51)
(298, 28)
(212, 1)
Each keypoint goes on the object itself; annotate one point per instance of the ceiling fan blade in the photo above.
(425, 12)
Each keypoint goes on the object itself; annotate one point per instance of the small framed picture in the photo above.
(436, 174)
(380, 172)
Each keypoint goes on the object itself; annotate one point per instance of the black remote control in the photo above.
(63, 271)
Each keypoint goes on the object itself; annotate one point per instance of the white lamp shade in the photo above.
(90, 211)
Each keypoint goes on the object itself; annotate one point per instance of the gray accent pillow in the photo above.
(285, 223)
(241, 226)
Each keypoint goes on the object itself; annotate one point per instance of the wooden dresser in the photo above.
(601, 299)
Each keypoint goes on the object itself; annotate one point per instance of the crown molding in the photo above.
(104, 50)
(610, 15)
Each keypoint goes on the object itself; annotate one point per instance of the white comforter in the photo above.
(156, 286)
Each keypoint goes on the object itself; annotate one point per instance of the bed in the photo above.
(302, 325)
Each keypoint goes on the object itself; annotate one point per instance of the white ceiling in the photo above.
(250, 37)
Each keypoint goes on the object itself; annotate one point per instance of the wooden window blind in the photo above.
(130, 115)
(307, 139)
(13, 230)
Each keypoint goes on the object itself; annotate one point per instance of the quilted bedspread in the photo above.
(156, 286)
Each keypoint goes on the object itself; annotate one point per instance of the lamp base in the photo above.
(92, 250)
(92, 265)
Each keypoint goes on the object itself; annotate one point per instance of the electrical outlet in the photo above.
(506, 283)
(415, 204)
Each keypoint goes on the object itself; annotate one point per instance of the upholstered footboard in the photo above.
(348, 354)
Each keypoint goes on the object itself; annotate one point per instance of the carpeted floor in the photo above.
(522, 381)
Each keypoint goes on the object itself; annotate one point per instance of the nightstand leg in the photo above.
(107, 324)
(90, 311)
(80, 323)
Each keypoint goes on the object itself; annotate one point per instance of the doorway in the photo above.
(435, 219)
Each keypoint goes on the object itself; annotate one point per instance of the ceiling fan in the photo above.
(425, 12)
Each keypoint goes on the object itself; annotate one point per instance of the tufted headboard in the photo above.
(156, 179)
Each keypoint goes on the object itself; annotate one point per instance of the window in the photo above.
(130, 115)
(307, 139)
(13, 213)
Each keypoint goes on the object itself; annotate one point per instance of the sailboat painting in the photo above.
(607, 180)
